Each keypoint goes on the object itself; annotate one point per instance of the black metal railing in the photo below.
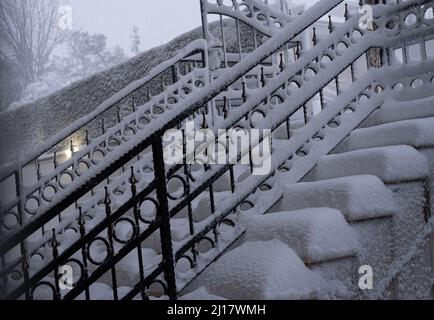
(160, 204)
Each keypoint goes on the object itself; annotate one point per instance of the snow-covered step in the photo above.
(393, 111)
(264, 270)
(366, 203)
(418, 133)
(321, 237)
(390, 164)
(315, 234)
(405, 172)
(357, 197)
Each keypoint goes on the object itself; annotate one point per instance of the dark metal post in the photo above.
(164, 217)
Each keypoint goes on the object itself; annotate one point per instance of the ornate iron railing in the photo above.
(127, 182)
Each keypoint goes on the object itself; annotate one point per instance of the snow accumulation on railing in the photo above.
(191, 48)
(251, 12)
(194, 102)
(382, 10)
(299, 153)
(200, 98)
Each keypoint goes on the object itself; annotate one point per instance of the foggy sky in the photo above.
(159, 21)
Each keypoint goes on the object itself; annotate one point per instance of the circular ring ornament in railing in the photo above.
(108, 252)
(44, 284)
(98, 155)
(161, 284)
(277, 99)
(171, 100)
(397, 87)
(257, 117)
(199, 84)
(10, 220)
(411, 20)
(364, 97)
(201, 249)
(32, 205)
(132, 232)
(391, 26)
(428, 16)
(186, 90)
(128, 132)
(142, 122)
(356, 35)
(416, 83)
(157, 110)
(230, 222)
(82, 167)
(179, 267)
(173, 187)
(78, 276)
(336, 122)
(350, 109)
(65, 179)
(49, 191)
(145, 207)
(341, 47)
(283, 169)
(302, 152)
(71, 234)
(246, 205)
(36, 260)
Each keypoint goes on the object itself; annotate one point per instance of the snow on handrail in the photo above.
(381, 10)
(194, 101)
(192, 47)
(197, 99)
(263, 19)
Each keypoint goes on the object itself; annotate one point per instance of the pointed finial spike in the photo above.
(330, 26)
(204, 121)
(262, 76)
(107, 200)
(55, 159)
(314, 37)
(54, 242)
(87, 137)
(133, 179)
(81, 221)
(347, 13)
(244, 93)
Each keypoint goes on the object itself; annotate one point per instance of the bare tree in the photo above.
(29, 32)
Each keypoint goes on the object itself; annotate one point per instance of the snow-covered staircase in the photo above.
(365, 204)
(376, 181)
(348, 186)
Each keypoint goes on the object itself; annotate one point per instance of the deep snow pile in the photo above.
(266, 270)
(315, 234)
(418, 133)
(390, 164)
(357, 197)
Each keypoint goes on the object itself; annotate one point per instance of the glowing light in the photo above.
(68, 154)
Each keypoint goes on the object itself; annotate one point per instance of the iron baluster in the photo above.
(164, 217)
(107, 204)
